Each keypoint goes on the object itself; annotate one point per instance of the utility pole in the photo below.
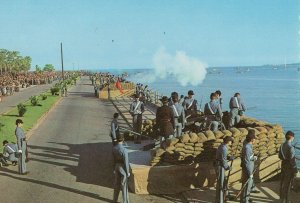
(62, 62)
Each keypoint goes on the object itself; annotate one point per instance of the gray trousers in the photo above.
(121, 183)
(178, 128)
(234, 117)
(22, 158)
(137, 120)
(220, 172)
(285, 184)
(245, 195)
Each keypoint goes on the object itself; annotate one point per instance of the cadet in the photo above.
(190, 105)
(288, 166)
(179, 115)
(247, 164)
(222, 165)
(165, 120)
(213, 111)
(237, 108)
(121, 170)
(9, 152)
(22, 147)
(136, 110)
(219, 98)
(114, 126)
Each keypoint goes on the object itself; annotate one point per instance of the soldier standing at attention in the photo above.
(165, 120)
(178, 114)
(136, 110)
(121, 170)
(22, 147)
(222, 166)
(114, 126)
(213, 111)
(190, 105)
(247, 164)
(237, 108)
(288, 166)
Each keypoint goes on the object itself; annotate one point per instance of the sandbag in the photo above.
(199, 145)
(243, 131)
(262, 130)
(227, 133)
(170, 148)
(202, 137)
(210, 135)
(179, 145)
(219, 134)
(184, 138)
(189, 147)
(193, 138)
(179, 149)
(171, 142)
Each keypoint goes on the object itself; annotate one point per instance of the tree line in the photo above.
(12, 61)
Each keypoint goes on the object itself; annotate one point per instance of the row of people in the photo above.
(173, 115)
(288, 168)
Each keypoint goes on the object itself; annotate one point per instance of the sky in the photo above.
(127, 34)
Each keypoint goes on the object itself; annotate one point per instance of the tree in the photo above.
(49, 68)
(38, 69)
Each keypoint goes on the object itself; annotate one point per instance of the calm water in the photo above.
(271, 95)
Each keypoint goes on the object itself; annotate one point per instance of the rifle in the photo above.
(255, 169)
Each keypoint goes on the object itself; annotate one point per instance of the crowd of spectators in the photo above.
(13, 82)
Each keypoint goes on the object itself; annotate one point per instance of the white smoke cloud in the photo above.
(185, 69)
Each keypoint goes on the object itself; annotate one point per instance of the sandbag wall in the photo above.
(201, 147)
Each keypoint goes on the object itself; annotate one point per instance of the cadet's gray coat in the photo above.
(222, 165)
(10, 150)
(121, 168)
(288, 169)
(114, 128)
(22, 145)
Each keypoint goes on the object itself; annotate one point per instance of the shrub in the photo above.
(55, 90)
(43, 96)
(34, 100)
(21, 109)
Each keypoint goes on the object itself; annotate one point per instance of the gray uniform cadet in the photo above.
(22, 145)
(136, 110)
(121, 168)
(9, 152)
(236, 105)
(179, 115)
(221, 166)
(114, 129)
(288, 166)
(247, 164)
(190, 105)
(213, 110)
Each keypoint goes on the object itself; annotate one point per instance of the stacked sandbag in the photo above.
(149, 128)
(202, 146)
(157, 155)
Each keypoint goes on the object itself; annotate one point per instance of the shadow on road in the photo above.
(52, 185)
(94, 161)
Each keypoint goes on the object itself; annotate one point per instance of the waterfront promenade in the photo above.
(70, 155)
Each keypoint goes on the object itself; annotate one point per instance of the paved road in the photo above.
(9, 102)
(70, 156)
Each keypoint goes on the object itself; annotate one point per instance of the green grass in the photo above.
(31, 116)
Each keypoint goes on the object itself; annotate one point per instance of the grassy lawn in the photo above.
(31, 116)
